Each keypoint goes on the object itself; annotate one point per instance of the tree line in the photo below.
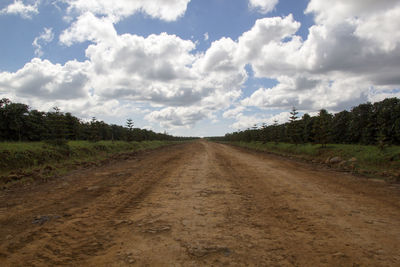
(367, 124)
(20, 123)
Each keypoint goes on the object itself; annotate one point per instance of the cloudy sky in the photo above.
(198, 67)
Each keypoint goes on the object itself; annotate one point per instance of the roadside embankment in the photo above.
(369, 161)
(29, 161)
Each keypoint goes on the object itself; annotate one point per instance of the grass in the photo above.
(368, 160)
(32, 160)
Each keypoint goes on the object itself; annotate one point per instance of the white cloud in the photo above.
(44, 80)
(244, 122)
(221, 58)
(338, 63)
(162, 70)
(44, 38)
(206, 36)
(178, 117)
(335, 12)
(89, 28)
(308, 94)
(266, 37)
(263, 6)
(154, 69)
(381, 29)
(19, 8)
(232, 113)
(169, 10)
(158, 70)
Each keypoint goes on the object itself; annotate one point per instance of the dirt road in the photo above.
(202, 204)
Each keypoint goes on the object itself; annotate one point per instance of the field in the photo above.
(367, 160)
(202, 204)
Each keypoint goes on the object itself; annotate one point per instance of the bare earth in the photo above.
(202, 204)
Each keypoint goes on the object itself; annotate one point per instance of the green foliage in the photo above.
(363, 126)
(129, 125)
(294, 127)
(57, 131)
(340, 127)
(366, 124)
(322, 128)
(307, 125)
(19, 123)
(13, 119)
(95, 128)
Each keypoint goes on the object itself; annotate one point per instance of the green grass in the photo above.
(30, 159)
(369, 159)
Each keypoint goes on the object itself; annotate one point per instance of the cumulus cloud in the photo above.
(352, 48)
(44, 38)
(381, 29)
(263, 6)
(307, 94)
(334, 12)
(169, 10)
(172, 117)
(244, 122)
(19, 8)
(232, 113)
(88, 27)
(45, 80)
(265, 40)
(155, 69)
(162, 70)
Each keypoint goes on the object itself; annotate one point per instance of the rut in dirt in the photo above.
(202, 203)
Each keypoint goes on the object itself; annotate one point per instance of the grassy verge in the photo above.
(26, 162)
(366, 160)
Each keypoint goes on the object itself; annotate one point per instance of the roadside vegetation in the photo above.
(26, 162)
(362, 159)
(36, 145)
(18, 122)
(365, 139)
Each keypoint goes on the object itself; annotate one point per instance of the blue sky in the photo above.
(198, 67)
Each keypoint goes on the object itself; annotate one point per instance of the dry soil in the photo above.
(200, 204)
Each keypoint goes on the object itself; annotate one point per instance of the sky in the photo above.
(198, 67)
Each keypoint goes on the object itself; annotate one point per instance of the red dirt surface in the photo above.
(199, 204)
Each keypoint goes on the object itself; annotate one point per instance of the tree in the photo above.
(129, 125)
(275, 131)
(56, 127)
(94, 130)
(321, 128)
(36, 126)
(307, 121)
(340, 127)
(13, 117)
(293, 115)
(294, 127)
(362, 127)
(264, 133)
(387, 114)
(72, 126)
